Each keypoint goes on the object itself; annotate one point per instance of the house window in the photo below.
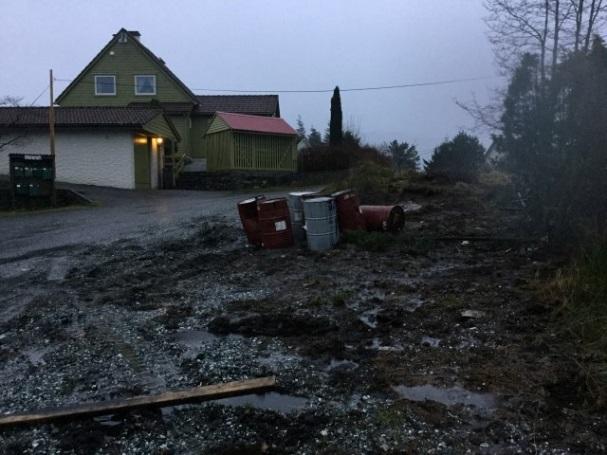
(105, 85)
(145, 85)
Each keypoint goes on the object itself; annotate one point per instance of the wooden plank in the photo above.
(205, 393)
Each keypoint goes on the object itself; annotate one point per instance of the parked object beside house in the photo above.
(120, 147)
(250, 143)
(32, 177)
(322, 229)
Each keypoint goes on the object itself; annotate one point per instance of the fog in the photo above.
(277, 45)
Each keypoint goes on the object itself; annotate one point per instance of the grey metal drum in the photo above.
(297, 214)
(322, 230)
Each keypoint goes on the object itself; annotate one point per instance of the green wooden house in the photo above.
(250, 143)
(125, 73)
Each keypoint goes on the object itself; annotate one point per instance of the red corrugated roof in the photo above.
(257, 124)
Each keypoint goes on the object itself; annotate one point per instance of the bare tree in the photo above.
(596, 13)
(547, 28)
(578, 9)
(517, 27)
(586, 20)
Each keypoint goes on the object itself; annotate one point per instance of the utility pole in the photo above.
(51, 114)
(51, 123)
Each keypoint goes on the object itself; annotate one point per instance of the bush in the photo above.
(459, 159)
(582, 293)
(325, 158)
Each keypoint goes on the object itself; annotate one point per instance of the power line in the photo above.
(41, 93)
(354, 89)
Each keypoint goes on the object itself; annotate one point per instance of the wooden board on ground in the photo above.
(204, 393)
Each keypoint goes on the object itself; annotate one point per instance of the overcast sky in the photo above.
(276, 45)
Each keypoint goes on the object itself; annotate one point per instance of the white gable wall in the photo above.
(88, 157)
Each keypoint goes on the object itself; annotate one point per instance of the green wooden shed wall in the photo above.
(247, 151)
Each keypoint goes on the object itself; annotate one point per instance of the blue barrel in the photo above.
(322, 230)
(297, 214)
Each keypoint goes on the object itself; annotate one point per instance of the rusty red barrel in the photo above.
(275, 223)
(386, 218)
(247, 210)
(348, 211)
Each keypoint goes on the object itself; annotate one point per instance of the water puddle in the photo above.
(59, 268)
(413, 303)
(449, 396)
(468, 343)
(377, 345)
(109, 421)
(279, 359)
(369, 318)
(35, 356)
(410, 207)
(196, 340)
(271, 401)
(431, 342)
(341, 365)
(17, 268)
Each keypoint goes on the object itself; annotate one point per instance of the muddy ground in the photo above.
(372, 347)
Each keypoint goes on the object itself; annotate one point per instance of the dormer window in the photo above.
(145, 85)
(105, 85)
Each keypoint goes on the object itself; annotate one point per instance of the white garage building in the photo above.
(119, 147)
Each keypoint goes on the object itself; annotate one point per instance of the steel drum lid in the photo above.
(319, 199)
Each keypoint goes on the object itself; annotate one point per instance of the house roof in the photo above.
(168, 107)
(134, 35)
(77, 116)
(256, 123)
(239, 104)
(86, 117)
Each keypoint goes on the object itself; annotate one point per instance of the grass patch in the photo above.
(581, 291)
(369, 241)
(379, 242)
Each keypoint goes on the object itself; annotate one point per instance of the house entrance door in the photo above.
(142, 165)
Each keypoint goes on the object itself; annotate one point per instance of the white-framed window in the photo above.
(145, 84)
(105, 85)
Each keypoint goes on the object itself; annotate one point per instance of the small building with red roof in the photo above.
(242, 142)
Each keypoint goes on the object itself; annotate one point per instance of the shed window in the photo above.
(145, 85)
(105, 85)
